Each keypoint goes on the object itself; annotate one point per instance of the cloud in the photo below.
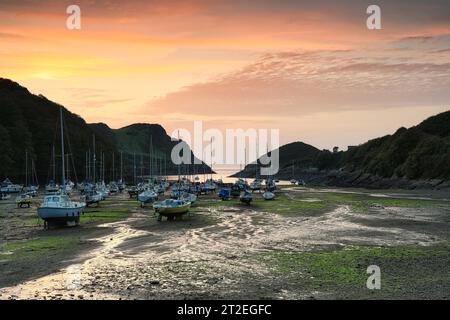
(294, 83)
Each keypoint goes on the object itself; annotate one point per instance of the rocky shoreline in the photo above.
(355, 179)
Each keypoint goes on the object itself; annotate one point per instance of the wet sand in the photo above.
(231, 251)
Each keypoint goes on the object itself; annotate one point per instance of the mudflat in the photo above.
(308, 243)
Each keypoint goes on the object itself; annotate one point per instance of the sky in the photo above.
(311, 69)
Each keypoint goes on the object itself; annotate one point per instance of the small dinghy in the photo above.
(24, 200)
(246, 197)
(171, 208)
(148, 196)
(268, 195)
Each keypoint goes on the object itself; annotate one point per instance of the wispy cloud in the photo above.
(298, 82)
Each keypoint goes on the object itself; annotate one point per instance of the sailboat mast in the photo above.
(114, 171)
(94, 159)
(256, 163)
(53, 164)
(211, 157)
(134, 168)
(63, 169)
(34, 173)
(178, 165)
(151, 157)
(26, 168)
(245, 158)
(293, 165)
(121, 166)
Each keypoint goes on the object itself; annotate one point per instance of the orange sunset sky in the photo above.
(310, 68)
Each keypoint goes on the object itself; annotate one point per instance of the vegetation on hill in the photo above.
(30, 123)
(421, 152)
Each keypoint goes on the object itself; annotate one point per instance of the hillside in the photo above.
(409, 158)
(30, 122)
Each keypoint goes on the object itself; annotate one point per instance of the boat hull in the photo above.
(63, 214)
(172, 211)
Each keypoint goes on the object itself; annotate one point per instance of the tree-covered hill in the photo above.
(420, 153)
(30, 123)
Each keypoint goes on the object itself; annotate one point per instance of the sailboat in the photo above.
(31, 186)
(147, 196)
(59, 208)
(293, 181)
(121, 184)
(171, 208)
(8, 187)
(246, 197)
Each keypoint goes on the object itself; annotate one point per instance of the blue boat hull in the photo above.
(65, 214)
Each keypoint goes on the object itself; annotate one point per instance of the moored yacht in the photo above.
(8, 187)
(59, 208)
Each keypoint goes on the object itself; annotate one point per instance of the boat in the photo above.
(189, 197)
(246, 197)
(171, 208)
(176, 194)
(59, 208)
(133, 191)
(113, 187)
(52, 188)
(24, 200)
(236, 190)
(121, 185)
(4, 196)
(102, 189)
(32, 193)
(270, 185)
(268, 195)
(93, 197)
(68, 187)
(31, 185)
(8, 187)
(210, 185)
(225, 194)
(147, 196)
(242, 184)
(256, 185)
